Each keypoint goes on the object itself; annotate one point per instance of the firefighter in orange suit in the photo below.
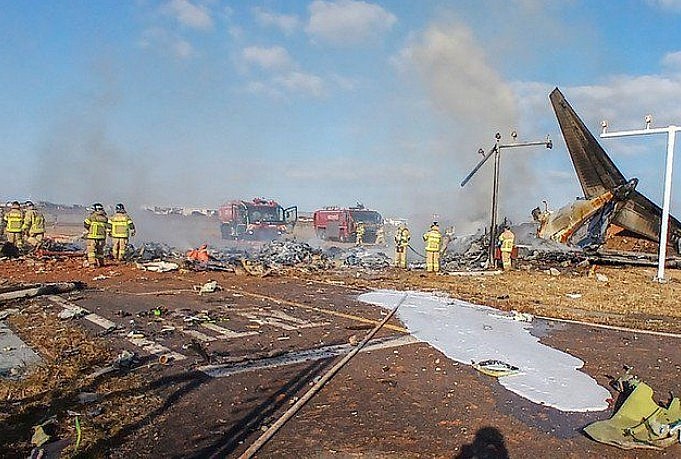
(433, 240)
(121, 228)
(96, 228)
(506, 241)
(14, 222)
(402, 237)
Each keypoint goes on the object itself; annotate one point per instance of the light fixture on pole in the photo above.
(664, 221)
(496, 150)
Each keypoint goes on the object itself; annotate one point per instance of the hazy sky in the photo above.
(314, 103)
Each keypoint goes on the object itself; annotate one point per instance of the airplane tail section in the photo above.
(595, 170)
(597, 174)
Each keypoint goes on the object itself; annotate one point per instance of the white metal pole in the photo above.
(495, 199)
(496, 151)
(669, 167)
(664, 227)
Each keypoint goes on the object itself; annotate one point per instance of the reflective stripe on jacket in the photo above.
(402, 238)
(433, 239)
(507, 239)
(121, 224)
(96, 224)
(15, 221)
(34, 222)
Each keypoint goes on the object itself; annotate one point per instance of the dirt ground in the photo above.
(234, 370)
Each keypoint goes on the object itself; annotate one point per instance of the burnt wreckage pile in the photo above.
(282, 254)
(470, 253)
(362, 258)
(278, 254)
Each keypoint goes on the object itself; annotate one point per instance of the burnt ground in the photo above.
(403, 400)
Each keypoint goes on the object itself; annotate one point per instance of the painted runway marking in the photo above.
(145, 344)
(154, 348)
(106, 324)
(226, 333)
(292, 358)
(278, 319)
(198, 335)
(240, 293)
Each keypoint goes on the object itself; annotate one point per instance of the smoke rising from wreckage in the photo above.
(275, 298)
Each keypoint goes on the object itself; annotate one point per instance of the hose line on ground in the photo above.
(417, 253)
(274, 428)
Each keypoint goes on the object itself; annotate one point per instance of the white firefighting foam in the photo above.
(466, 332)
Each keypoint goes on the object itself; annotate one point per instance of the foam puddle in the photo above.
(466, 332)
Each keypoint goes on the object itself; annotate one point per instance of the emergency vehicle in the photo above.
(260, 219)
(340, 224)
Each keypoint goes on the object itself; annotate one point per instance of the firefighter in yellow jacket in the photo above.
(433, 240)
(14, 222)
(402, 237)
(506, 241)
(34, 225)
(121, 227)
(96, 228)
(360, 234)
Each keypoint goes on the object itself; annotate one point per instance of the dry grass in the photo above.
(629, 298)
(51, 390)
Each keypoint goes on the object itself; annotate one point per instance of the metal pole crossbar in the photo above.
(496, 151)
(666, 204)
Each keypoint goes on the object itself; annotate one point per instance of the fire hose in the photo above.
(269, 433)
(417, 253)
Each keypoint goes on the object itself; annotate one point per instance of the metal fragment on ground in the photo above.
(158, 266)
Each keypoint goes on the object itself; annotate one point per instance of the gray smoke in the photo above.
(472, 96)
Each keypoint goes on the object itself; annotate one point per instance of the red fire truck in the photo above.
(260, 219)
(340, 224)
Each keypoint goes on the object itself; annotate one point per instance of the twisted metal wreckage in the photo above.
(609, 198)
(577, 232)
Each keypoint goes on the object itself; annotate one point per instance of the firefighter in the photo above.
(360, 234)
(121, 229)
(402, 237)
(380, 236)
(3, 211)
(14, 221)
(506, 242)
(96, 227)
(433, 240)
(34, 225)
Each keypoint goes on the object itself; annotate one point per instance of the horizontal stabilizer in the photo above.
(641, 216)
